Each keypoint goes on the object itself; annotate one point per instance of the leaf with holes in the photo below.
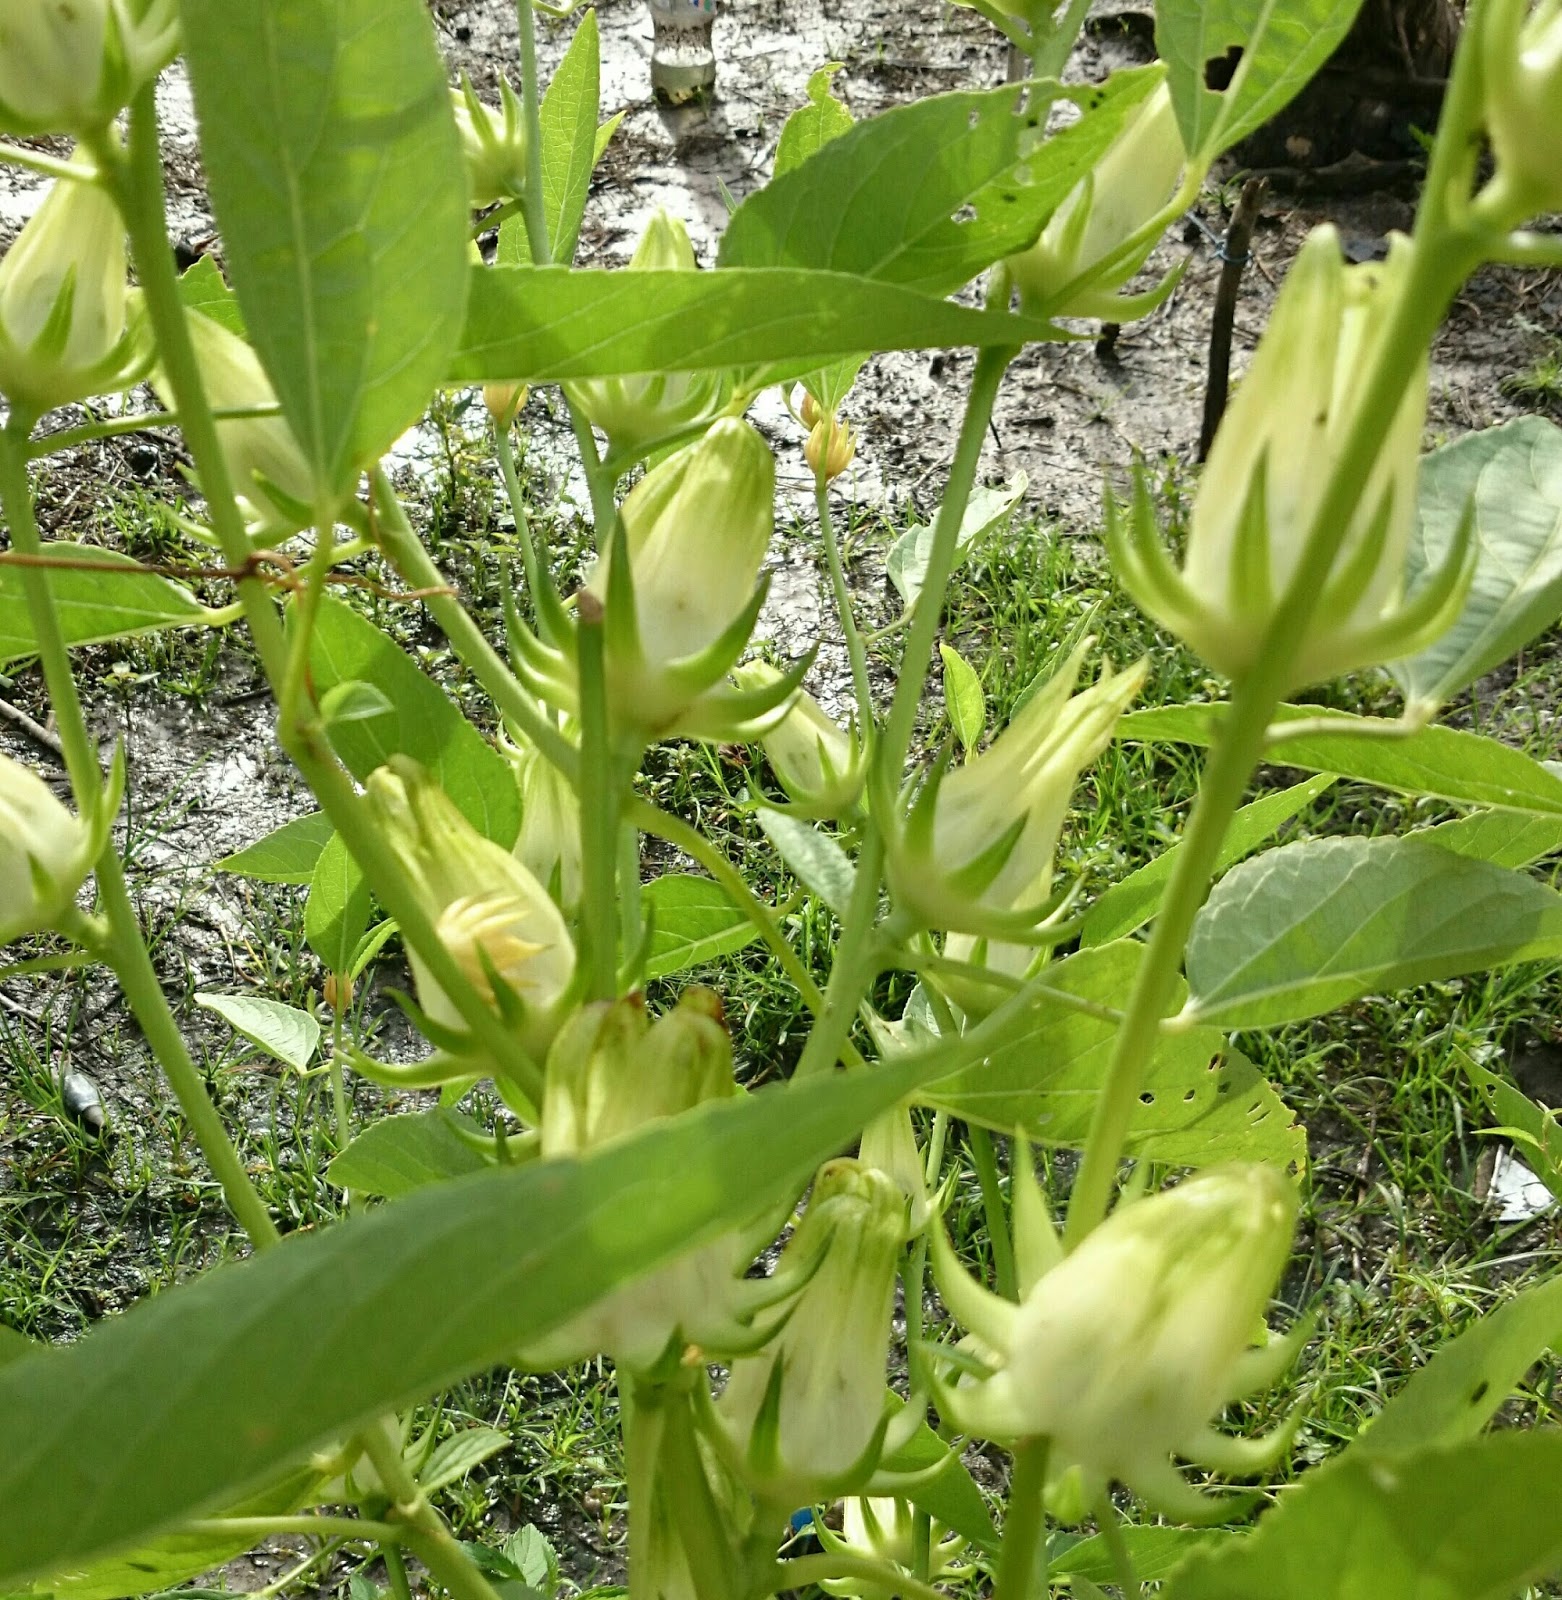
(811, 127)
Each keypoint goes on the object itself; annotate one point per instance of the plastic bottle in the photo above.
(683, 64)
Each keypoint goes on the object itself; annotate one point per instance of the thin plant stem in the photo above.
(1117, 1547)
(601, 801)
(49, 166)
(395, 1570)
(855, 651)
(47, 444)
(985, 1160)
(536, 575)
(305, 1523)
(125, 949)
(1024, 1525)
(531, 110)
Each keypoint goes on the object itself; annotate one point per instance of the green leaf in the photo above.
(353, 701)
(1444, 763)
(692, 921)
(963, 698)
(1510, 477)
(1306, 928)
(907, 561)
(950, 1495)
(1202, 1101)
(103, 595)
(454, 1457)
(422, 722)
(14, 1345)
(1534, 1128)
(1509, 838)
(336, 914)
(569, 150)
(1475, 1522)
(396, 1155)
(287, 854)
(1130, 904)
(223, 1380)
(202, 289)
(1281, 47)
(284, 1032)
(821, 866)
(930, 194)
(811, 127)
(549, 324)
(334, 168)
(1157, 1552)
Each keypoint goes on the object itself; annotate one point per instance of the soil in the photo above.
(205, 774)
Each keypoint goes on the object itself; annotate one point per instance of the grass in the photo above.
(1394, 1251)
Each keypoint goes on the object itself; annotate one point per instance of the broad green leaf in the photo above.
(949, 1495)
(930, 194)
(963, 698)
(224, 1380)
(284, 1032)
(422, 722)
(100, 595)
(569, 150)
(334, 167)
(1281, 46)
(287, 854)
(811, 127)
(1468, 1379)
(202, 289)
(336, 914)
(353, 701)
(1157, 1552)
(1202, 1101)
(548, 324)
(1303, 929)
(396, 1155)
(692, 921)
(14, 1345)
(906, 564)
(1474, 1522)
(1510, 477)
(1533, 1127)
(454, 1457)
(1130, 904)
(1444, 763)
(1509, 838)
(821, 866)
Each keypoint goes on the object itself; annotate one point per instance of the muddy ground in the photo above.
(101, 1225)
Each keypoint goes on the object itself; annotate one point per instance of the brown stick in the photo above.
(1233, 255)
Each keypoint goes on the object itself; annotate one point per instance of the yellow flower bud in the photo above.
(1521, 59)
(831, 446)
(1131, 182)
(504, 400)
(62, 301)
(45, 852)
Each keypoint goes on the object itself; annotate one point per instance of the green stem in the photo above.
(599, 483)
(126, 949)
(1438, 265)
(258, 1528)
(855, 651)
(1025, 1523)
(1050, 58)
(601, 803)
(531, 110)
(858, 960)
(1117, 1547)
(416, 568)
(536, 576)
(395, 1570)
(804, 1572)
(983, 1158)
(49, 166)
(49, 444)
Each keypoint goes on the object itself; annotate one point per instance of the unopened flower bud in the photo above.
(636, 409)
(1131, 182)
(70, 66)
(1273, 461)
(809, 411)
(548, 844)
(1521, 59)
(272, 479)
(808, 1409)
(831, 447)
(504, 400)
(884, 1530)
(45, 853)
(62, 301)
(493, 143)
(819, 763)
(1124, 1351)
(491, 914)
(338, 991)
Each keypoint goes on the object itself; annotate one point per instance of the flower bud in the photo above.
(610, 1072)
(70, 66)
(808, 1409)
(548, 845)
(1124, 1351)
(637, 409)
(493, 143)
(45, 853)
(1521, 59)
(884, 1530)
(62, 301)
(818, 762)
(975, 853)
(272, 480)
(491, 914)
(1131, 182)
(1273, 461)
(831, 447)
(504, 400)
